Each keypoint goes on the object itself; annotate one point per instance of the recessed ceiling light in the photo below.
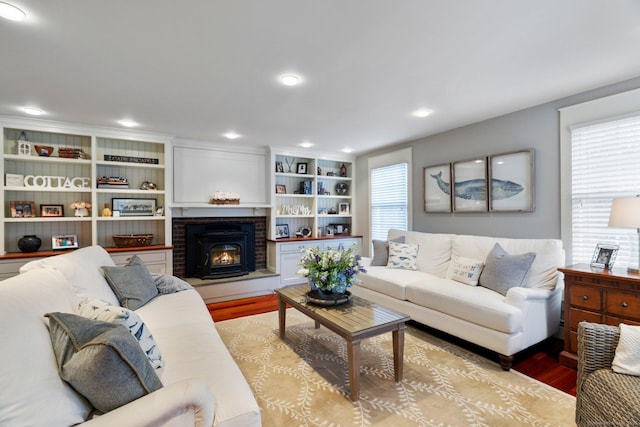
(306, 144)
(33, 111)
(128, 123)
(422, 112)
(231, 135)
(11, 12)
(347, 150)
(289, 79)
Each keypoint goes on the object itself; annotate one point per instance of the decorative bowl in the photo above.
(132, 240)
(44, 150)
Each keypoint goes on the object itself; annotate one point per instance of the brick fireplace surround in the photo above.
(179, 243)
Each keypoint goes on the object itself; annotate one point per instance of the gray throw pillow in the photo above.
(168, 284)
(133, 284)
(381, 250)
(503, 271)
(101, 360)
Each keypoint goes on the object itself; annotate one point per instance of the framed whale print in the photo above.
(512, 181)
(470, 185)
(437, 188)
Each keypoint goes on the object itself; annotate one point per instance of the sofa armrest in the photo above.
(596, 347)
(185, 403)
(519, 296)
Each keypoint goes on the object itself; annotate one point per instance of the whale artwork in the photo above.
(475, 189)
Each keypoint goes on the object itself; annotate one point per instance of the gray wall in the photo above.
(536, 127)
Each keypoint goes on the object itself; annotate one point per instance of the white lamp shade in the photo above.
(625, 213)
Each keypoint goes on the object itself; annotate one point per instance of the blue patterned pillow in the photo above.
(403, 255)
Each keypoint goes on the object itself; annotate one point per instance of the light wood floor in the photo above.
(539, 362)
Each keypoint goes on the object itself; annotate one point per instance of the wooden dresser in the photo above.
(597, 295)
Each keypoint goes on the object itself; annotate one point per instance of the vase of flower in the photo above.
(81, 208)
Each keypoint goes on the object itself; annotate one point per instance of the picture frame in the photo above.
(322, 211)
(20, 209)
(279, 167)
(437, 188)
(282, 231)
(339, 229)
(343, 208)
(281, 189)
(52, 211)
(604, 256)
(512, 181)
(469, 179)
(68, 241)
(134, 207)
(301, 168)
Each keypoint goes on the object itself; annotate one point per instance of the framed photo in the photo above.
(437, 188)
(343, 208)
(279, 167)
(69, 241)
(22, 209)
(322, 211)
(301, 168)
(512, 177)
(134, 207)
(51, 210)
(281, 189)
(282, 231)
(604, 256)
(470, 185)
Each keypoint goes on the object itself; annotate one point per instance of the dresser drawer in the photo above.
(576, 316)
(615, 321)
(585, 297)
(623, 304)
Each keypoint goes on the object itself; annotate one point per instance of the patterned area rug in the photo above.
(303, 380)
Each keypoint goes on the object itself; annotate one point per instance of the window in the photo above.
(389, 199)
(604, 165)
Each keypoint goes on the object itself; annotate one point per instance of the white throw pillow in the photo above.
(96, 309)
(403, 255)
(627, 357)
(465, 270)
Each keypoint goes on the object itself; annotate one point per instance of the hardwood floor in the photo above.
(539, 362)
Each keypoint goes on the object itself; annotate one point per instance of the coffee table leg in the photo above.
(354, 369)
(398, 351)
(282, 315)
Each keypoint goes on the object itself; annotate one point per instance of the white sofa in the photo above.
(507, 324)
(201, 384)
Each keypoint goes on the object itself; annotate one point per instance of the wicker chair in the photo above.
(603, 397)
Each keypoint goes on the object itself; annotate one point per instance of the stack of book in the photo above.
(72, 153)
(113, 182)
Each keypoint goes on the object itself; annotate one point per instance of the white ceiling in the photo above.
(213, 66)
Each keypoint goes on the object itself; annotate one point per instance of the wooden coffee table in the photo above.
(354, 321)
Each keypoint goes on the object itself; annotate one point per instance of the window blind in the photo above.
(605, 161)
(389, 199)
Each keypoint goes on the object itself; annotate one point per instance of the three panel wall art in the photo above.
(511, 189)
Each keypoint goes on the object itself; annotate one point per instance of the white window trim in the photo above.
(592, 111)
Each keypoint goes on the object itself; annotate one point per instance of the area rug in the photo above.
(303, 380)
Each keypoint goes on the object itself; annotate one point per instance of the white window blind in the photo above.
(389, 199)
(605, 164)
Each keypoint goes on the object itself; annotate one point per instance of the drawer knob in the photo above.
(584, 297)
(624, 304)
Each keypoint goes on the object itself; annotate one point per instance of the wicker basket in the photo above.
(224, 202)
(132, 240)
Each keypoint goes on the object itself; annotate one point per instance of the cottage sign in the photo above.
(56, 182)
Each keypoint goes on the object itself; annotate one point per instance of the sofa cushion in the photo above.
(402, 255)
(503, 271)
(474, 304)
(82, 268)
(30, 386)
(435, 250)
(96, 309)
(465, 270)
(132, 284)
(101, 360)
(626, 360)
(392, 282)
(381, 251)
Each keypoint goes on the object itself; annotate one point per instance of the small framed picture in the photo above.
(134, 207)
(69, 241)
(279, 167)
(343, 208)
(301, 168)
(281, 189)
(322, 211)
(51, 210)
(604, 256)
(282, 231)
(22, 209)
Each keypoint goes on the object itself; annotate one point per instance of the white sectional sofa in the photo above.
(528, 313)
(200, 383)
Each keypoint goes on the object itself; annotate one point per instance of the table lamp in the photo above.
(625, 213)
